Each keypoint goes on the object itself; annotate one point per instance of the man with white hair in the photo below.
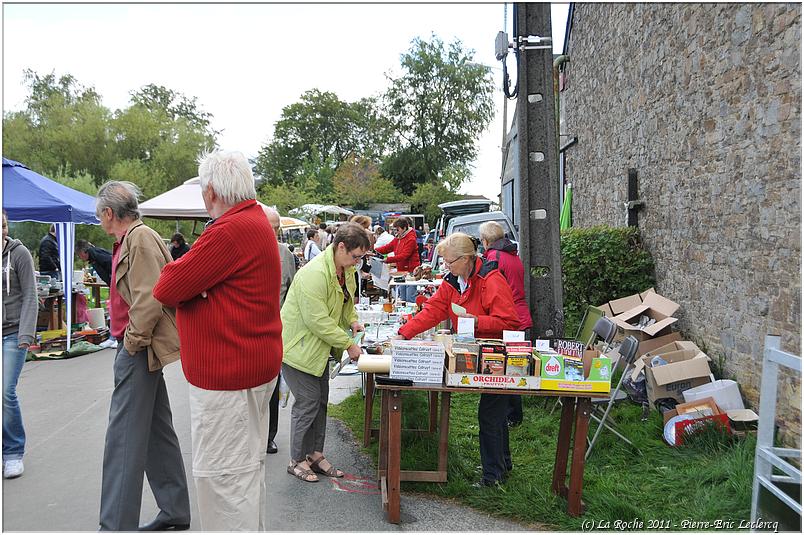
(226, 293)
(140, 438)
(288, 272)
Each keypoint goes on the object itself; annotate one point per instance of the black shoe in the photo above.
(271, 447)
(514, 423)
(161, 525)
(485, 483)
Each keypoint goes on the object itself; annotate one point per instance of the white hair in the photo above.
(272, 214)
(229, 174)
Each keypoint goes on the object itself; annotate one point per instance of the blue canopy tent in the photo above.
(28, 196)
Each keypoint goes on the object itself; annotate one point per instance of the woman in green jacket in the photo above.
(319, 310)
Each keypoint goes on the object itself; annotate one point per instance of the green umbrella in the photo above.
(566, 209)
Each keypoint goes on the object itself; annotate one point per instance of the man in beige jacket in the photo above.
(140, 438)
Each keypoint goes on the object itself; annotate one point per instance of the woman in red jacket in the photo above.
(480, 288)
(406, 253)
(503, 251)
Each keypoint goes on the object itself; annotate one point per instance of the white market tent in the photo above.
(185, 202)
(182, 202)
(311, 210)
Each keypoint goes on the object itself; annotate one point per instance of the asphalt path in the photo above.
(65, 406)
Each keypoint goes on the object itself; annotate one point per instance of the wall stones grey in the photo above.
(704, 100)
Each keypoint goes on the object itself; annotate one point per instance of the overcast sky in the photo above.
(244, 63)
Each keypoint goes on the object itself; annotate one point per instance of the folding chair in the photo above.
(627, 350)
(585, 330)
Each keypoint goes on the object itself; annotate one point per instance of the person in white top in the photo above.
(383, 238)
(311, 248)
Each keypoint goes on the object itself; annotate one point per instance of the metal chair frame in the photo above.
(628, 350)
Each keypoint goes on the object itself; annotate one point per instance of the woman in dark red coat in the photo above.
(478, 287)
(503, 251)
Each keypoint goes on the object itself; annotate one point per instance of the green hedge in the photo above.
(600, 264)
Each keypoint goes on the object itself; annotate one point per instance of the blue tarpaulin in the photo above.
(28, 196)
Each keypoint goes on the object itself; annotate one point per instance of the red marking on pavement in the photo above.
(354, 484)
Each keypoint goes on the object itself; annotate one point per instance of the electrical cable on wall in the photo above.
(509, 94)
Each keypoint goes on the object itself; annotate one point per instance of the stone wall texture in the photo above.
(704, 101)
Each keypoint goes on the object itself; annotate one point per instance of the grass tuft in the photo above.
(707, 479)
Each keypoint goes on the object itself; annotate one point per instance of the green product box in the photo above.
(600, 370)
(552, 366)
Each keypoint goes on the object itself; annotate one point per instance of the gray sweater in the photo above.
(20, 303)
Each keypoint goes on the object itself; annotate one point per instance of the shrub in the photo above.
(600, 264)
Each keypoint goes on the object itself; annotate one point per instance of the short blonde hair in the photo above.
(458, 243)
(491, 231)
(362, 220)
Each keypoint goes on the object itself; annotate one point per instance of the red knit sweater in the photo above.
(232, 339)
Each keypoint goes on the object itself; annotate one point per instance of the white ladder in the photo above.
(769, 457)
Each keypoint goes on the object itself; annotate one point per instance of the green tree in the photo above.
(63, 125)
(426, 198)
(358, 183)
(315, 135)
(436, 109)
(159, 138)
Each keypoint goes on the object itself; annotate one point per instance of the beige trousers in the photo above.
(229, 430)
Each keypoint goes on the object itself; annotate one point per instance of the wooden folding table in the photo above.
(574, 415)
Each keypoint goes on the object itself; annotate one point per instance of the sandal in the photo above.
(316, 466)
(302, 473)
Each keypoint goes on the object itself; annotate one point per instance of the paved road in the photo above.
(65, 408)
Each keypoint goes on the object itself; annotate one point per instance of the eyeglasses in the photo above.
(357, 257)
(450, 262)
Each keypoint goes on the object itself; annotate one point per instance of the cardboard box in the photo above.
(687, 367)
(589, 360)
(650, 344)
(462, 357)
(618, 306)
(477, 380)
(658, 308)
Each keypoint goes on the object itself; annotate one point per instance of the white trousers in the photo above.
(229, 430)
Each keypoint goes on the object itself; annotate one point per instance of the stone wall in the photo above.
(704, 101)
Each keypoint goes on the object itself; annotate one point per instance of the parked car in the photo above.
(470, 224)
(458, 208)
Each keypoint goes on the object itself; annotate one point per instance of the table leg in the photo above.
(383, 464)
(443, 435)
(433, 404)
(368, 409)
(394, 455)
(50, 304)
(562, 447)
(96, 296)
(59, 305)
(575, 506)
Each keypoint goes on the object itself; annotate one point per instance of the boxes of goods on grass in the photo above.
(672, 369)
(651, 319)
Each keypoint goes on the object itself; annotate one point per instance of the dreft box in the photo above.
(659, 309)
(687, 367)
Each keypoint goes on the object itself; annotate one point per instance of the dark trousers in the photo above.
(495, 454)
(273, 411)
(140, 441)
(515, 409)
